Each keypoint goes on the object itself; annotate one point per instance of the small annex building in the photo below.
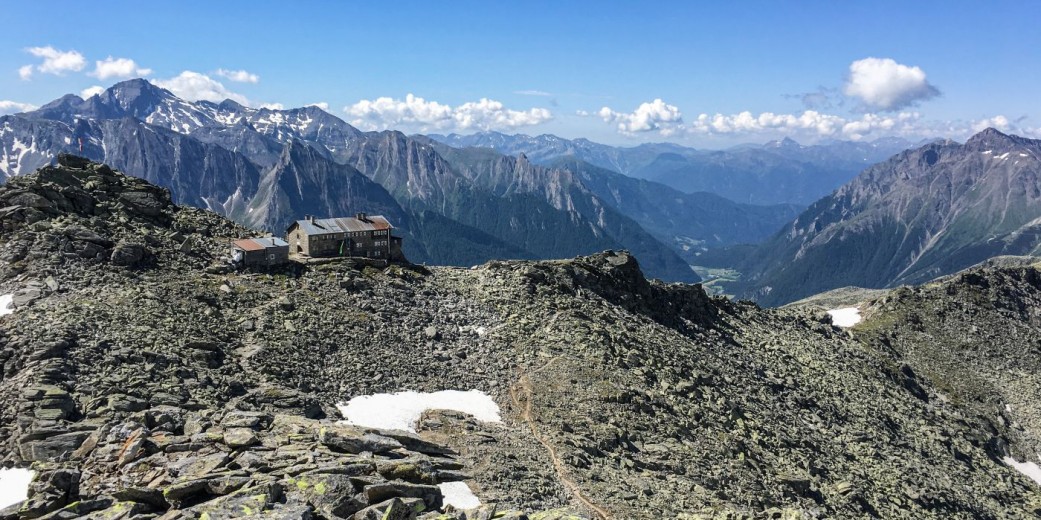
(263, 252)
(362, 236)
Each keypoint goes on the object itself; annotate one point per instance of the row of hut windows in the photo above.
(357, 234)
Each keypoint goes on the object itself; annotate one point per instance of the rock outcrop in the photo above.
(172, 387)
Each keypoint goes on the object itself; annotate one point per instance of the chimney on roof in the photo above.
(360, 216)
(310, 218)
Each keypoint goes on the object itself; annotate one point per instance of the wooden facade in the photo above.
(262, 252)
(361, 236)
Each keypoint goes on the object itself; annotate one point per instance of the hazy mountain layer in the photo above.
(690, 221)
(778, 172)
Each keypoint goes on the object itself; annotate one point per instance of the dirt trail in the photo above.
(521, 395)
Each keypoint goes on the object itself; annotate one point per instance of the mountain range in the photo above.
(778, 172)
(265, 168)
(923, 213)
(462, 200)
(456, 205)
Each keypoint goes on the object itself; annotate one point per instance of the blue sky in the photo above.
(696, 73)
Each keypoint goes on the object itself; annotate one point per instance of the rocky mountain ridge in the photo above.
(146, 130)
(922, 214)
(144, 379)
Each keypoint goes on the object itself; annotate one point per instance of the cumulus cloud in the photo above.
(272, 106)
(884, 84)
(656, 115)
(746, 123)
(194, 86)
(810, 123)
(322, 105)
(14, 107)
(667, 120)
(416, 112)
(91, 91)
(54, 62)
(808, 126)
(904, 123)
(239, 76)
(998, 122)
(118, 68)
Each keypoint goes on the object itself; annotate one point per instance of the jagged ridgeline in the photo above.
(923, 213)
(142, 379)
(265, 168)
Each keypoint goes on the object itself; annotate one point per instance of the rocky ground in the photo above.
(976, 338)
(144, 379)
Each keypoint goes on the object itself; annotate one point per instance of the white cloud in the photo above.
(54, 62)
(656, 115)
(884, 84)
(904, 123)
(194, 86)
(91, 91)
(810, 123)
(272, 106)
(746, 122)
(239, 76)
(323, 105)
(582, 113)
(998, 122)
(118, 68)
(14, 107)
(416, 112)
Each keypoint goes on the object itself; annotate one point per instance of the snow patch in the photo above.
(14, 485)
(988, 152)
(401, 410)
(302, 125)
(1002, 156)
(1027, 468)
(6, 306)
(845, 317)
(458, 495)
(232, 200)
(19, 151)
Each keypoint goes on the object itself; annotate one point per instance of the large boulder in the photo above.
(128, 254)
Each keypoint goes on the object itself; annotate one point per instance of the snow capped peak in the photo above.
(787, 142)
(141, 100)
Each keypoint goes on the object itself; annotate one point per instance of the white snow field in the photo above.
(5, 304)
(401, 410)
(1027, 468)
(14, 485)
(845, 317)
(458, 495)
